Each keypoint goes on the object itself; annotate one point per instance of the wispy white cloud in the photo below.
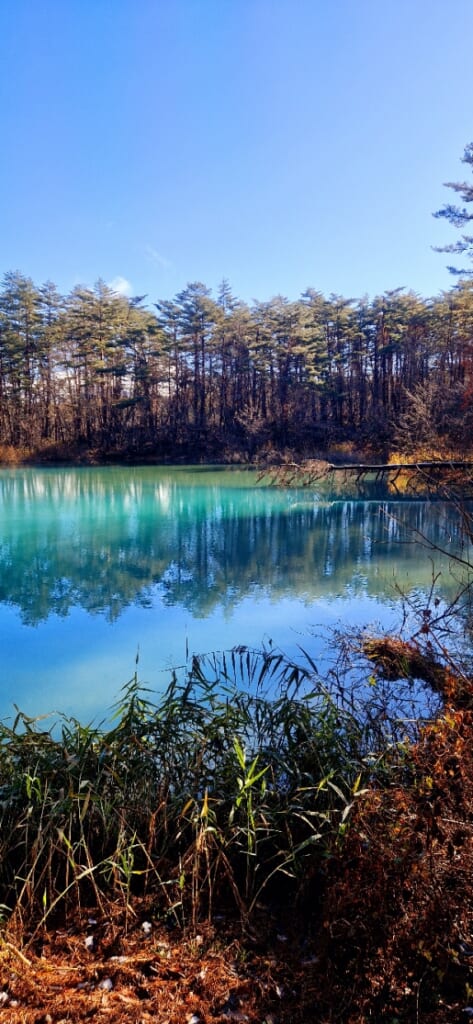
(156, 258)
(120, 285)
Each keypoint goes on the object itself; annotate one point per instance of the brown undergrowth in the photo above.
(393, 942)
(397, 932)
(379, 929)
(129, 977)
(398, 916)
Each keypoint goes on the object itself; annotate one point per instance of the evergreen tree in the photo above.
(459, 216)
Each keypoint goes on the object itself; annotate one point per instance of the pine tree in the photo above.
(459, 216)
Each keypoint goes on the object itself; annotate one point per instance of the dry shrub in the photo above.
(10, 456)
(398, 914)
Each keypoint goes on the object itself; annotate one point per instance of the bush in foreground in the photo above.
(211, 792)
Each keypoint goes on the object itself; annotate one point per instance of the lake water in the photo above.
(98, 565)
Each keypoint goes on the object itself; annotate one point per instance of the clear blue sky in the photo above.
(278, 143)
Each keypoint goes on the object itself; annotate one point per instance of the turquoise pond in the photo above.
(99, 565)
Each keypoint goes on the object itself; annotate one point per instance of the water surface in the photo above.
(98, 565)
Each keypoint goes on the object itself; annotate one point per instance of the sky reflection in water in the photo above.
(98, 564)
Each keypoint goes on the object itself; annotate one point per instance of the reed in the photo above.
(236, 782)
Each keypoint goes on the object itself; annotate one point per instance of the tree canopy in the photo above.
(459, 216)
(204, 377)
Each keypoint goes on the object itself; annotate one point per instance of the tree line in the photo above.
(214, 376)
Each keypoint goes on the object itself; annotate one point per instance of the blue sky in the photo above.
(278, 143)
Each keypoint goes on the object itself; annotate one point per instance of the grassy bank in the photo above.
(212, 794)
(275, 807)
(198, 453)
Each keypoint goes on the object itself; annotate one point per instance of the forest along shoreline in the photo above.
(224, 855)
(96, 375)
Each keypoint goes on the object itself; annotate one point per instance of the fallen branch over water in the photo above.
(388, 467)
(423, 474)
(404, 659)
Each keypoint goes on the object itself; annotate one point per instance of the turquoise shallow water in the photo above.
(99, 564)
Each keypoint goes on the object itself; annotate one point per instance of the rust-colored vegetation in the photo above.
(398, 912)
(326, 880)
